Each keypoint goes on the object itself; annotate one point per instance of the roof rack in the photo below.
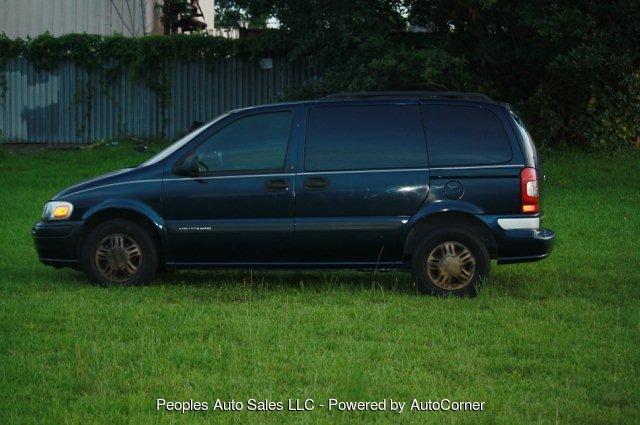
(407, 94)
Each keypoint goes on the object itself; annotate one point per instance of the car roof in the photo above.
(383, 97)
(372, 95)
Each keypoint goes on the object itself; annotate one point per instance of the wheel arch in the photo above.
(140, 214)
(439, 219)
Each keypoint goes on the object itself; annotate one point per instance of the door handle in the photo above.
(316, 183)
(277, 185)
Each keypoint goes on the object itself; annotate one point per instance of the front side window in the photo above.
(364, 137)
(256, 142)
(163, 154)
(464, 135)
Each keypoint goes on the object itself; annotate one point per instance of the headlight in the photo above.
(57, 210)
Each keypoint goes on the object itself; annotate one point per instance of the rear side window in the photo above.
(464, 135)
(364, 137)
(256, 142)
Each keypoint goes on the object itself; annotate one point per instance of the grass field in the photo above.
(554, 342)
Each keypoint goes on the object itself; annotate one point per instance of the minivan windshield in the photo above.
(180, 143)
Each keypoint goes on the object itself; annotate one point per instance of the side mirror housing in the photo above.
(188, 167)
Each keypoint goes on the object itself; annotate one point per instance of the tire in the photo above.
(128, 255)
(441, 266)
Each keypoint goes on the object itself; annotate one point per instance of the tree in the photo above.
(179, 14)
(571, 67)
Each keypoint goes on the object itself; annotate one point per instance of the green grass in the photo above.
(555, 341)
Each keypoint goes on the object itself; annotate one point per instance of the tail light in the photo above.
(529, 195)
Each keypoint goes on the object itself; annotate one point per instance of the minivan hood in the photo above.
(111, 177)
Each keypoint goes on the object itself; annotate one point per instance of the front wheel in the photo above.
(119, 252)
(450, 262)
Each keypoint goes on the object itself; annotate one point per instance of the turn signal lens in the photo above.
(61, 212)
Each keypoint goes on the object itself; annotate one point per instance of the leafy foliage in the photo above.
(572, 68)
(142, 54)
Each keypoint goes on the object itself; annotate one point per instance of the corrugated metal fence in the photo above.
(57, 106)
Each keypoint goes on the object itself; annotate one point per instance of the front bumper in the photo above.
(57, 242)
(524, 245)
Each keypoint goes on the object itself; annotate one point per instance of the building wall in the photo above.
(208, 11)
(23, 18)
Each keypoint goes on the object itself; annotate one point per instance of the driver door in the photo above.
(239, 208)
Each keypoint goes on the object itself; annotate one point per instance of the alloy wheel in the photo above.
(450, 265)
(118, 257)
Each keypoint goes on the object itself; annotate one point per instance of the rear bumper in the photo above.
(57, 242)
(524, 245)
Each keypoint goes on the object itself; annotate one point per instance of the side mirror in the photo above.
(190, 166)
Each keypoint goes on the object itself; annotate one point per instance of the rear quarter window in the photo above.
(364, 137)
(464, 135)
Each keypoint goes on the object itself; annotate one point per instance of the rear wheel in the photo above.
(450, 261)
(119, 252)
